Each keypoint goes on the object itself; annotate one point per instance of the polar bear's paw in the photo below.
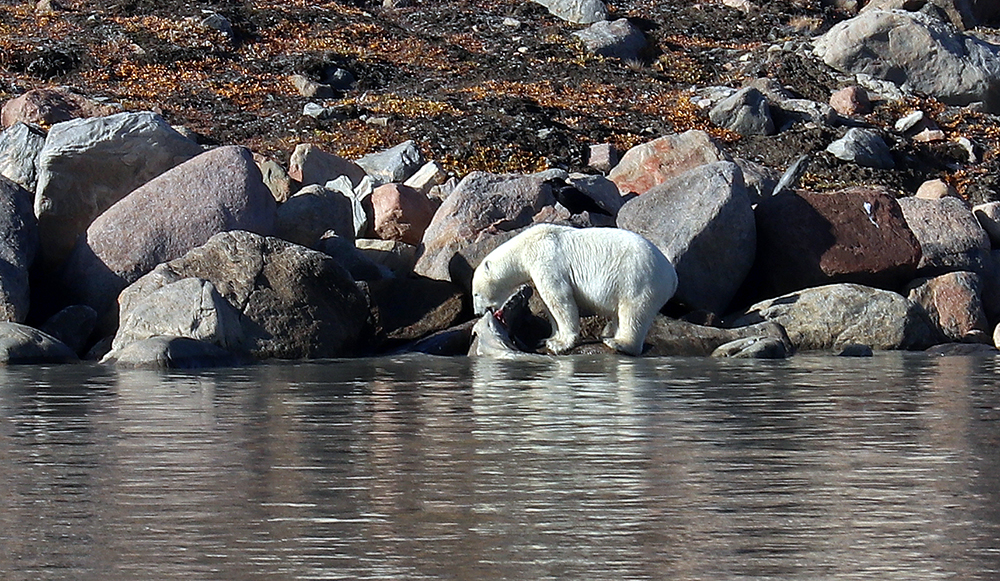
(559, 345)
(623, 347)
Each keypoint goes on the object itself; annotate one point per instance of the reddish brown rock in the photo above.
(48, 106)
(401, 213)
(856, 235)
(954, 303)
(851, 101)
(653, 163)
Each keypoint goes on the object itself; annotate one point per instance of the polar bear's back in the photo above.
(606, 265)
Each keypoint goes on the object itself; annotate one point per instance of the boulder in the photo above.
(18, 247)
(276, 179)
(406, 309)
(745, 112)
(163, 352)
(652, 163)
(673, 337)
(964, 14)
(937, 189)
(293, 302)
(396, 164)
(48, 106)
(73, 326)
(357, 264)
(577, 11)
(398, 257)
(953, 302)
(312, 212)
(20, 145)
(24, 345)
(613, 39)
(963, 350)
(480, 202)
(189, 307)
(854, 235)
(703, 223)
(429, 175)
(311, 165)
(949, 235)
(833, 316)
(173, 213)
(917, 52)
(401, 213)
(988, 215)
(600, 190)
(863, 147)
(86, 165)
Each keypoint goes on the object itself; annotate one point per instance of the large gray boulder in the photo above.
(86, 165)
(655, 162)
(175, 212)
(577, 11)
(703, 223)
(166, 352)
(918, 52)
(312, 212)
(393, 165)
(189, 307)
(311, 165)
(18, 247)
(746, 112)
(24, 345)
(832, 316)
(614, 39)
(949, 234)
(673, 337)
(20, 145)
(480, 202)
(293, 302)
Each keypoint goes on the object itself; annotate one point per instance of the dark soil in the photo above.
(474, 91)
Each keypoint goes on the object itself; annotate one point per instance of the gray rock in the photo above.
(832, 316)
(429, 175)
(917, 52)
(86, 165)
(24, 345)
(614, 39)
(73, 326)
(311, 165)
(600, 189)
(752, 348)
(294, 302)
(963, 350)
(181, 209)
(672, 337)
(949, 235)
(988, 215)
(357, 263)
(18, 247)
(190, 307)
(480, 202)
(396, 256)
(394, 165)
(20, 145)
(759, 180)
(746, 112)
(312, 212)
(863, 147)
(655, 162)
(173, 353)
(703, 223)
(577, 11)
(276, 179)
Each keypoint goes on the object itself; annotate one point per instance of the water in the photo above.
(571, 468)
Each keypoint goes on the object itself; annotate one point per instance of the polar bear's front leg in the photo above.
(557, 294)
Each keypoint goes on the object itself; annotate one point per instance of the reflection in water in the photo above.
(568, 468)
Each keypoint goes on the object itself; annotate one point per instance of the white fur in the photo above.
(609, 271)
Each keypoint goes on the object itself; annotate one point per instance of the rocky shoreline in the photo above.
(125, 240)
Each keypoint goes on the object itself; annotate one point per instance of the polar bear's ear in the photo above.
(486, 266)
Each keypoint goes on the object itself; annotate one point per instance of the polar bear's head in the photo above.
(484, 295)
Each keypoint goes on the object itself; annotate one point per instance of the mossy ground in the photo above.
(473, 90)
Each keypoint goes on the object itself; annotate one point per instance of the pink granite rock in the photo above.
(401, 213)
(655, 162)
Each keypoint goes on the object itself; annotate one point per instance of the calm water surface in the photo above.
(610, 468)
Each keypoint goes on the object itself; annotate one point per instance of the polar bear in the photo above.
(609, 271)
